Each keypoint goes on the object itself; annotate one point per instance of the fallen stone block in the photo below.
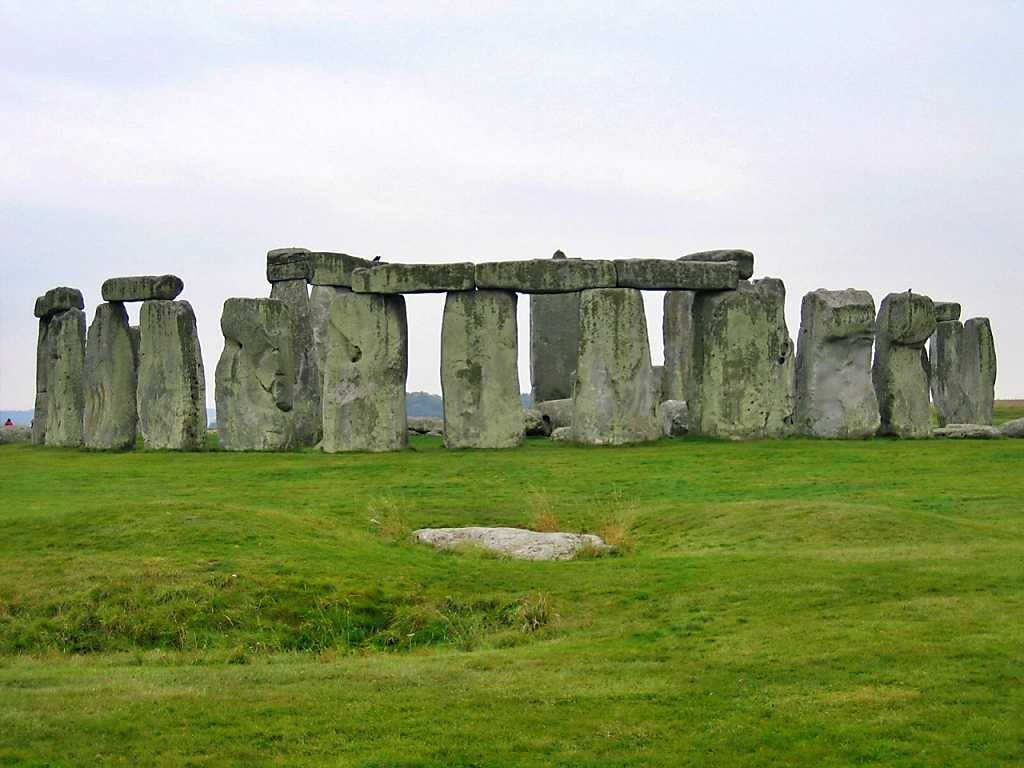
(414, 278)
(674, 416)
(142, 288)
(111, 381)
(901, 369)
(15, 434)
(744, 259)
(422, 425)
(968, 432)
(518, 543)
(58, 300)
(308, 382)
(556, 413)
(1013, 428)
(561, 434)
(335, 268)
(534, 423)
(557, 275)
(288, 264)
(674, 275)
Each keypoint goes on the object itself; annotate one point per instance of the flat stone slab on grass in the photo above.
(674, 275)
(58, 300)
(15, 434)
(514, 542)
(334, 268)
(142, 288)
(744, 259)
(1013, 428)
(415, 278)
(287, 264)
(546, 275)
(968, 432)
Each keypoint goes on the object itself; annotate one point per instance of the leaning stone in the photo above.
(556, 413)
(308, 373)
(58, 300)
(744, 259)
(675, 418)
(554, 344)
(255, 377)
(364, 381)
(414, 278)
(142, 288)
(677, 338)
(969, 432)
(946, 311)
(335, 268)
(900, 369)
(172, 385)
(1013, 428)
(534, 423)
(670, 275)
(557, 275)
(742, 362)
(835, 397)
(111, 381)
(613, 402)
(483, 407)
(15, 434)
(561, 434)
(422, 425)
(514, 542)
(287, 264)
(65, 400)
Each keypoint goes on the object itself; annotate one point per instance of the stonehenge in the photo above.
(111, 380)
(963, 370)
(307, 373)
(60, 363)
(901, 370)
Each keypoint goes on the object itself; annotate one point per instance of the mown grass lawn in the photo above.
(793, 602)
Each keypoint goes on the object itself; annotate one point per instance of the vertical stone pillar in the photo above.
(364, 376)
(308, 376)
(44, 355)
(963, 371)
(901, 369)
(60, 359)
(743, 362)
(554, 344)
(614, 397)
(980, 359)
(677, 335)
(111, 380)
(171, 382)
(255, 377)
(835, 397)
(479, 371)
(320, 299)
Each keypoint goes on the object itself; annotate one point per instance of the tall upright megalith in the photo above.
(554, 344)
(614, 400)
(963, 371)
(111, 380)
(60, 360)
(677, 336)
(320, 299)
(479, 370)
(308, 376)
(255, 377)
(901, 369)
(835, 397)
(743, 362)
(171, 382)
(365, 372)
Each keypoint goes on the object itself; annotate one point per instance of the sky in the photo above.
(872, 145)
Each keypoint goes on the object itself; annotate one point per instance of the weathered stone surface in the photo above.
(414, 278)
(308, 374)
(658, 375)
(514, 542)
(16, 434)
(320, 299)
(561, 434)
(968, 432)
(44, 354)
(963, 368)
(58, 300)
(742, 362)
(835, 397)
(255, 377)
(288, 264)
(674, 275)
(63, 402)
(1013, 428)
(744, 259)
(557, 275)
(142, 288)
(946, 311)
(479, 371)
(677, 336)
(980, 368)
(172, 385)
(556, 413)
(900, 369)
(614, 398)
(111, 381)
(554, 344)
(335, 269)
(422, 425)
(534, 423)
(674, 416)
(364, 381)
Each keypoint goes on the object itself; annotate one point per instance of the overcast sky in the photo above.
(874, 145)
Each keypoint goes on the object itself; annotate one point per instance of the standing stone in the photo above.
(255, 377)
(901, 369)
(963, 368)
(479, 371)
(111, 380)
(308, 375)
(54, 302)
(835, 397)
(44, 355)
(677, 335)
(364, 379)
(64, 362)
(742, 362)
(172, 385)
(320, 299)
(614, 397)
(554, 344)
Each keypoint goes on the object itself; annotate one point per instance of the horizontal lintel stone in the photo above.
(414, 278)
(946, 311)
(672, 275)
(335, 268)
(744, 259)
(142, 288)
(546, 275)
(58, 300)
(287, 264)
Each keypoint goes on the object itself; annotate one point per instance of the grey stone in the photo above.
(142, 288)
(744, 259)
(288, 264)
(414, 278)
(980, 368)
(518, 543)
(15, 434)
(613, 401)
(561, 434)
(255, 377)
(1013, 428)
(483, 407)
(172, 385)
(556, 413)
(44, 354)
(422, 425)
(58, 300)
(674, 416)
(335, 268)
(742, 362)
(111, 381)
(674, 275)
(320, 299)
(308, 383)
(554, 344)
(364, 381)
(658, 372)
(901, 370)
(969, 432)
(556, 275)
(63, 402)
(677, 336)
(534, 423)
(963, 368)
(946, 311)
(835, 397)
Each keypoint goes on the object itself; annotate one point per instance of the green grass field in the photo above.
(792, 602)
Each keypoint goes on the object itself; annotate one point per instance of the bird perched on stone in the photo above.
(376, 258)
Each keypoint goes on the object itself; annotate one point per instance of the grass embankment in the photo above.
(776, 602)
